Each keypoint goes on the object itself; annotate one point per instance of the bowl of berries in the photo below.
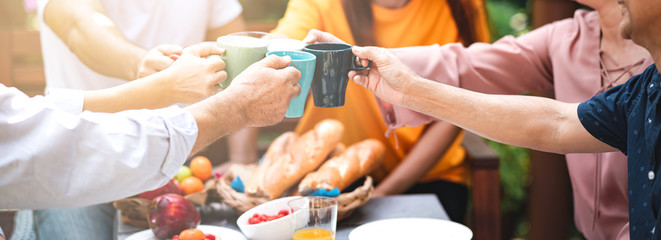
(269, 220)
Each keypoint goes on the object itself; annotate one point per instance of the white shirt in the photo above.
(146, 23)
(52, 155)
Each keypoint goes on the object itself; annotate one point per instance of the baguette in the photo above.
(289, 158)
(340, 171)
(278, 148)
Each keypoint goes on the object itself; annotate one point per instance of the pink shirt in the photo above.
(564, 56)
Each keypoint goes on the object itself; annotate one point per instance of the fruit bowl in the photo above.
(279, 228)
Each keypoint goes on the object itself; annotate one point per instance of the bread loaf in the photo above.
(339, 172)
(278, 148)
(289, 158)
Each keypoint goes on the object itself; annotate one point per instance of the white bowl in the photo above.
(275, 229)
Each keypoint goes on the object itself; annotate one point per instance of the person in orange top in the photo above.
(424, 159)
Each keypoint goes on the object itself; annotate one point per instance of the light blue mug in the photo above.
(305, 63)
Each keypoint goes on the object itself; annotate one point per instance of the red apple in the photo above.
(169, 214)
(171, 187)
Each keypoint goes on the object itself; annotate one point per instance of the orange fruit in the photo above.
(191, 234)
(201, 167)
(191, 184)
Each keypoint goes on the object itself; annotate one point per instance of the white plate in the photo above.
(220, 232)
(411, 228)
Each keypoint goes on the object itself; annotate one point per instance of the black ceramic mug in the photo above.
(334, 61)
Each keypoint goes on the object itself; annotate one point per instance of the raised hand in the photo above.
(388, 78)
(316, 36)
(193, 77)
(157, 59)
(266, 87)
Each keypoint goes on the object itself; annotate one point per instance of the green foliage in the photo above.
(506, 18)
(514, 170)
(509, 17)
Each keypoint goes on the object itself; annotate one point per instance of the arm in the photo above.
(58, 159)
(246, 105)
(437, 138)
(189, 80)
(243, 143)
(509, 66)
(531, 122)
(93, 37)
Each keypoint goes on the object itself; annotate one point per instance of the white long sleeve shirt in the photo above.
(54, 155)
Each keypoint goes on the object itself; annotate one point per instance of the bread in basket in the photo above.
(290, 159)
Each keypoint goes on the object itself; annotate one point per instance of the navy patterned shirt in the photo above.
(625, 117)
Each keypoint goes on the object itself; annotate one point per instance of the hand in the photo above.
(265, 89)
(157, 59)
(388, 78)
(316, 36)
(193, 77)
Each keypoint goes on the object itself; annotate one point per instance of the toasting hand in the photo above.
(388, 78)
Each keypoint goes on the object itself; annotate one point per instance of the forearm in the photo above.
(93, 37)
(525, 121)
(509, 66)
(145, 93)
(217, 116)
(430, 147)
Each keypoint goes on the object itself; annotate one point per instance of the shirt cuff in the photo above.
(68, 100)
(183, 133)
(2, 234)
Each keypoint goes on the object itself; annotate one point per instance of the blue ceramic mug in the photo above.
(305, 63)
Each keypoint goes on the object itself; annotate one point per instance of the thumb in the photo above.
(375, 54)
(315, 36)
(203, 49)
(360, 80)
(169, 49)
(311, 37)
(273, 61)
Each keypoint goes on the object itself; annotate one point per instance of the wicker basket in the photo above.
(347, 202)
(135, 211)
(239, 201)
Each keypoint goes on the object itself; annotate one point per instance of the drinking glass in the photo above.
(313, 218)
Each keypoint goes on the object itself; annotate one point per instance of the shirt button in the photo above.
(650, 175)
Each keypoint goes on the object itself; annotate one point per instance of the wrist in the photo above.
(133, 71)
(409, 91)
(163, 84)
(233, 106)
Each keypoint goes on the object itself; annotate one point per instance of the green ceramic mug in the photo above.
(240, 52)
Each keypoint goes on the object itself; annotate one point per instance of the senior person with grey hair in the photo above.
(623, 118)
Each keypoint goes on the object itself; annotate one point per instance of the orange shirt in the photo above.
(420, 22)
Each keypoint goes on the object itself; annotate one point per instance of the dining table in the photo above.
(377, 208)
